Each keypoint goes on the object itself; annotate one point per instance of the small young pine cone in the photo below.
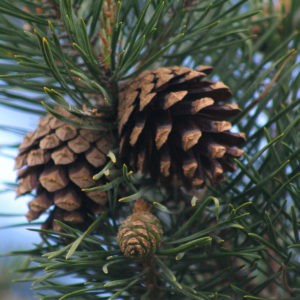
(140, 234)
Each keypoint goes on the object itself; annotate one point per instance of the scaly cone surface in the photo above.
(55, 162)
(140, 234)
(173, 124)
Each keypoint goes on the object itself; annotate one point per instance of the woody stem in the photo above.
(151, 277)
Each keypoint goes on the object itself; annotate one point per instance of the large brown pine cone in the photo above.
(55, 162)
(171, 124)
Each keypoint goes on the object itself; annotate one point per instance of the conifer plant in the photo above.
(165, 164)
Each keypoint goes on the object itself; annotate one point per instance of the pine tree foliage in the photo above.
(236, 240)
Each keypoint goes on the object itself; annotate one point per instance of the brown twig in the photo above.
(151, 277)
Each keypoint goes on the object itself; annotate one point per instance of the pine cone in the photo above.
(55, 162)
(140, 234)
(171, 125)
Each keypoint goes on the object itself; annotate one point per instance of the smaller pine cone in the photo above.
(140, 234)
(55, 163)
